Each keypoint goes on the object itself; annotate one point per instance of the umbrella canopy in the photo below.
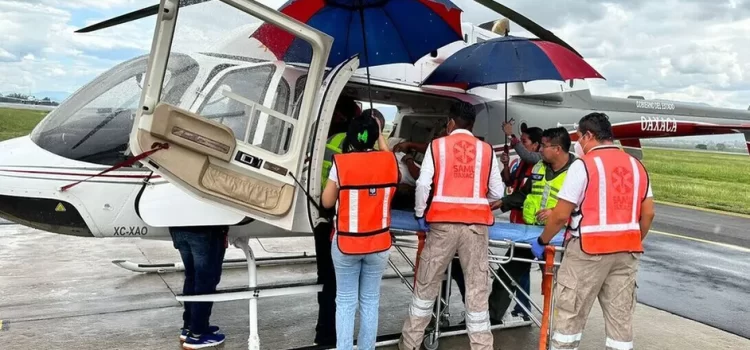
(395, 31)
(509, 59)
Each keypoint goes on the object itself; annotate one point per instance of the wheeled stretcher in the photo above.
(510, 237)
(502, 235)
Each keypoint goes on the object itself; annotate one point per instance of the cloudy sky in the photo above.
(689, 50)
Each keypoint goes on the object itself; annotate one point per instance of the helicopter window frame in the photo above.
(48, 133)
(280, 100)
(216, 91)
(271, 141)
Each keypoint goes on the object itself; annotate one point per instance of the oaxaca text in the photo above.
(658, 124)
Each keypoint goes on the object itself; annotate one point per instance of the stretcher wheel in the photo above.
(445, 323)
(431, 342)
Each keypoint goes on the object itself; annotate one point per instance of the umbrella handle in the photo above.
(506, 119)
(367, 56)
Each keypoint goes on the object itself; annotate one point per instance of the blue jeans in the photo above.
(202, 250)
(358, 279)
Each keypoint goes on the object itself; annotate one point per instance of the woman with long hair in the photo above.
(361, 184)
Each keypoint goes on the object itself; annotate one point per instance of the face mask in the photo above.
(579, 149)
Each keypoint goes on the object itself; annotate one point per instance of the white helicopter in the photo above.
(245, 134)
(278, 115)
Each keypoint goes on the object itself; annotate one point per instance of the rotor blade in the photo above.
(526, 23)
(132, 16)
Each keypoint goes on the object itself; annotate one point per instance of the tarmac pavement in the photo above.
(62, 292)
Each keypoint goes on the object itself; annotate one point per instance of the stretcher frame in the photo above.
(402, 239)
(439, 325)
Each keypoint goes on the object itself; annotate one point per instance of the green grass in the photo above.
(18, 122)
(701, 179)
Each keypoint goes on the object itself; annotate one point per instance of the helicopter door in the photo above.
(327, 97)
(222, 152)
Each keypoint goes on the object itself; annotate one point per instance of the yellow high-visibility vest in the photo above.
(543, 193)
(333, 146)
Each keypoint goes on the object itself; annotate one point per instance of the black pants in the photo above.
(499, 297)
(325, 330)
(202, 251)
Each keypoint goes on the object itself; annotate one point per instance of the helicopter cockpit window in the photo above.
(94, 124)
(251, 83)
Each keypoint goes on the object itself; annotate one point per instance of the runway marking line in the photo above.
(707, 210)
(725, 245)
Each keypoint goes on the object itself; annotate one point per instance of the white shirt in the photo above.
(333, 175)
(574, 186)
(406, 177)
(424, 183)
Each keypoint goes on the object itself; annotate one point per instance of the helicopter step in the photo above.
(259, 291)
(227, 264)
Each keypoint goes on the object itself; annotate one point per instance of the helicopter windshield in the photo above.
(94, 124)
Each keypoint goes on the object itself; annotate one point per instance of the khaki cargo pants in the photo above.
(581, 279)
(442, 242)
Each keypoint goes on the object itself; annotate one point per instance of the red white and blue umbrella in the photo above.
(379, 31)
(509, 59)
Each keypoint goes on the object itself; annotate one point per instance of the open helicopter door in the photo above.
(327, 98)
(205, 157)
(165, 205)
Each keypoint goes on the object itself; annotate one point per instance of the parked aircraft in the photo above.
(235, 137)
(90, 131)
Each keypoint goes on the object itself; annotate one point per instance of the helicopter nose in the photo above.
(45, 214)
(23, 199)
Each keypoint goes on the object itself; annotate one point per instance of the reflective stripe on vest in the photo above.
(461, 180)
(543, 193)
(611, 208)
(367, 182)
(333, 146)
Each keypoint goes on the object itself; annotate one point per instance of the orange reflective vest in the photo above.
(611, 207)
(461, 180)
(367, 182)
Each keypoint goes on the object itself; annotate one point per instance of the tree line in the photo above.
(26, 99)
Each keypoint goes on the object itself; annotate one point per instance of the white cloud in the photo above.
(691, 50)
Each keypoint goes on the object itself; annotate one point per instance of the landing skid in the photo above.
(228, 263)
(254, 291)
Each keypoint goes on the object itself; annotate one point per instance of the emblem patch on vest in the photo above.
(464, 154)
(622, 183)
(372, 192)
(536, 177)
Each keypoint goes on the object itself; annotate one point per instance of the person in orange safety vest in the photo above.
(608, 196)
(458, 179)
(362, 183)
